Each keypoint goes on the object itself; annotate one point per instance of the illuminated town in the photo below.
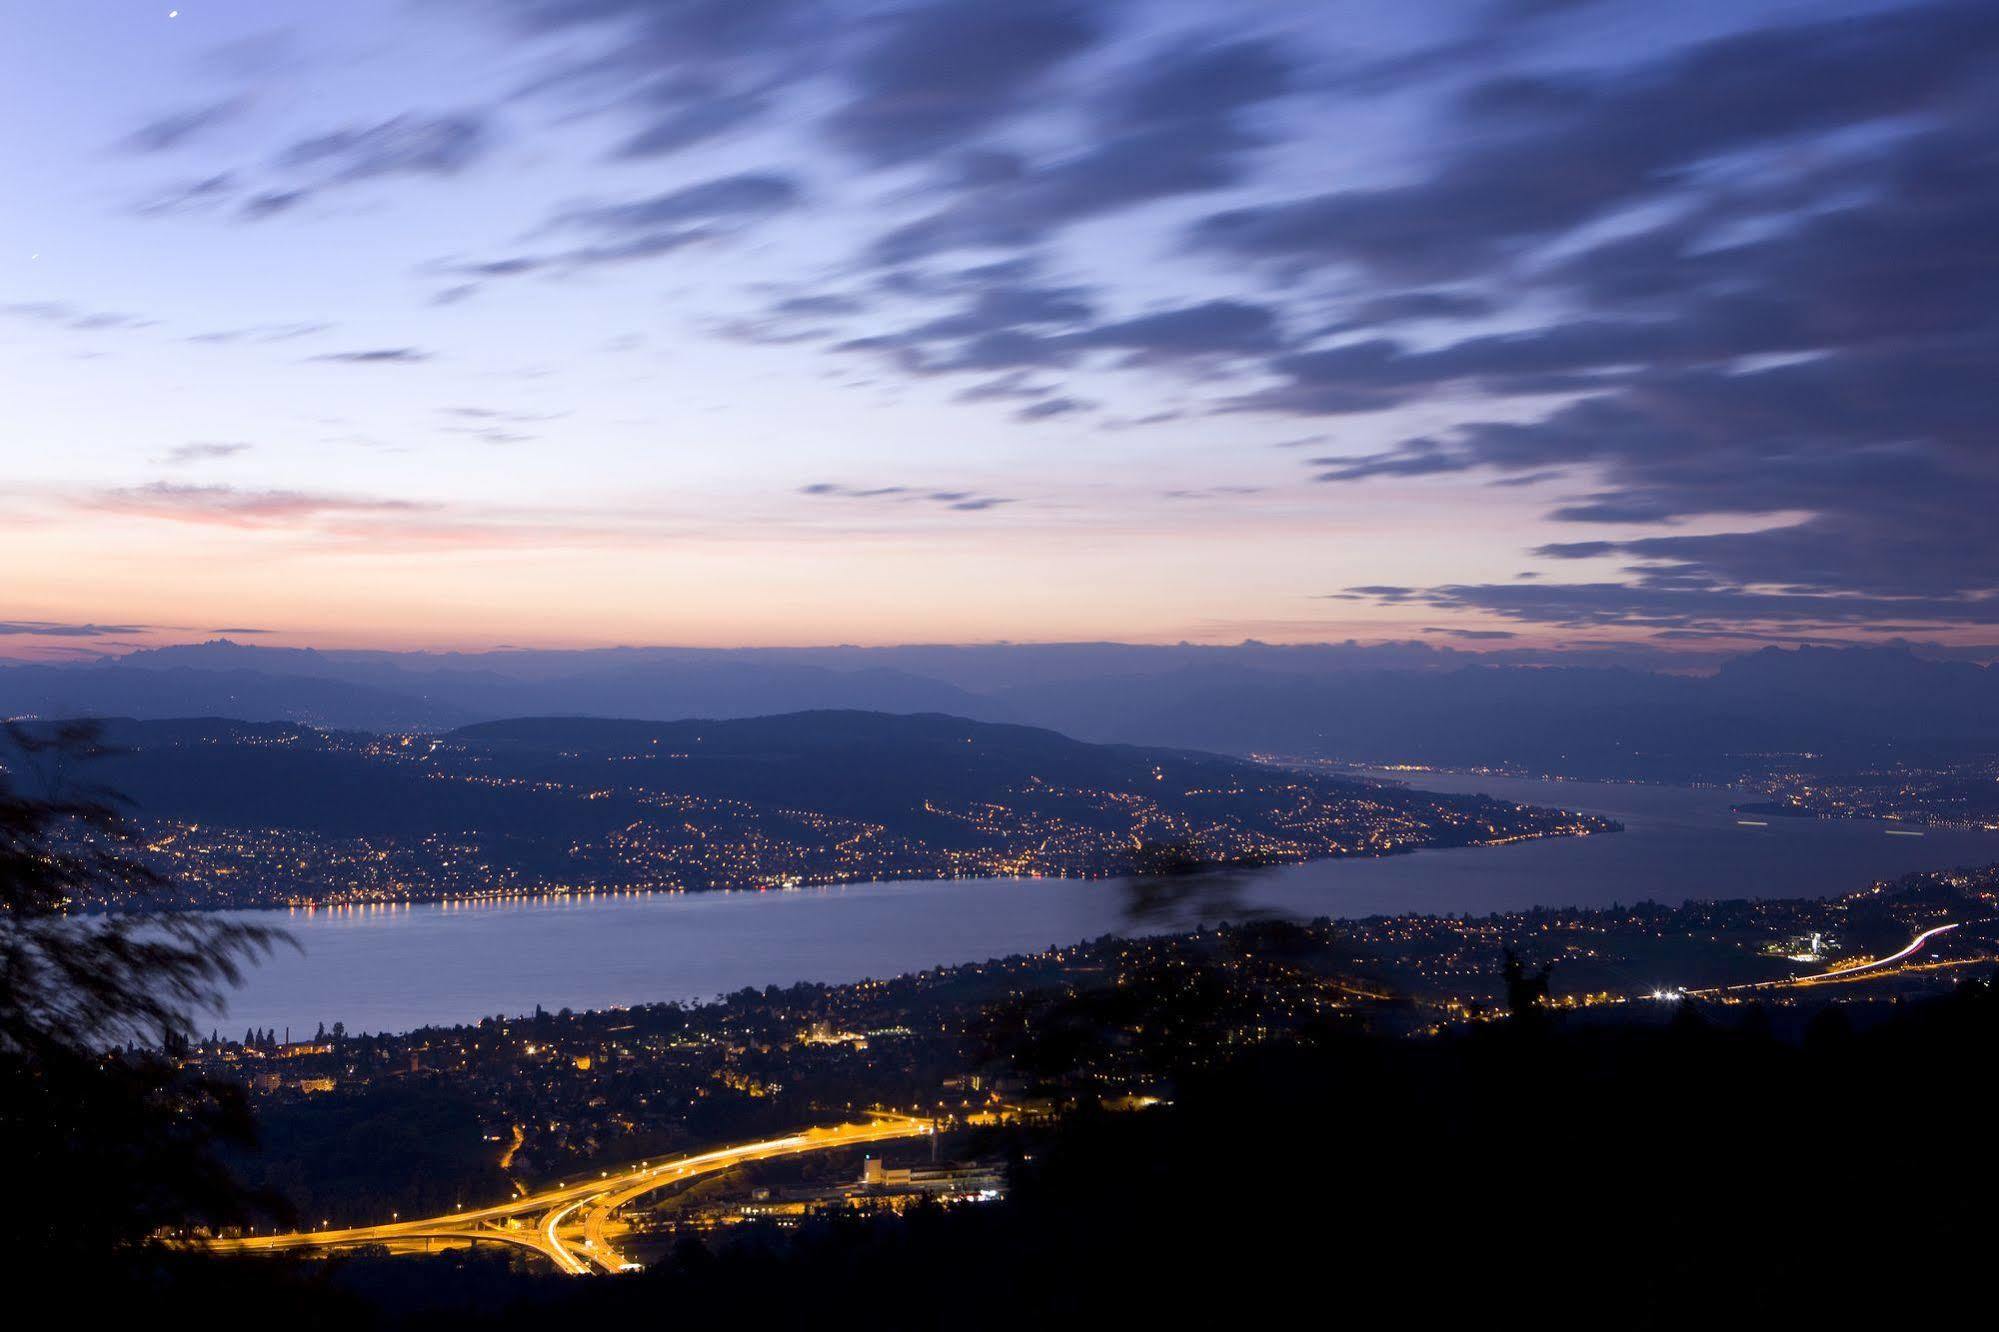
(629, 822)
(518, 1105)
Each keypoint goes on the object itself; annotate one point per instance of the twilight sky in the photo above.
(457, 323)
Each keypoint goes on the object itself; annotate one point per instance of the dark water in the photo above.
(393, 968)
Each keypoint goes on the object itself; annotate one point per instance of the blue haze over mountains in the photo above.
(1390, 702)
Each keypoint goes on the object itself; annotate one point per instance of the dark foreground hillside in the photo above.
(1701, 1171)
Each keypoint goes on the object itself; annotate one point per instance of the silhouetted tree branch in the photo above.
(107, 1134)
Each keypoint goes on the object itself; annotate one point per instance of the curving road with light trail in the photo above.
(1914, 945)
(584, 1211)
(1857, 969)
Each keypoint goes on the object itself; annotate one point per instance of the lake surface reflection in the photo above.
(394, 968)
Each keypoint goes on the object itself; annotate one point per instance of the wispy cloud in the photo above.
(203, 452)
(413, 144)
(64, 315)
(1049, 408)
(377, 356)
(57, 629)
(229, 506)
(962, 501)
(262, 333)
(647, 228)
(171, 131)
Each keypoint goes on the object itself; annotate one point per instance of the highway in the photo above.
(1915, 944)
(572, 1225)
(1848, 972)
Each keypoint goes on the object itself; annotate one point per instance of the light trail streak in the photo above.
(1838, 973)
(591, 1202)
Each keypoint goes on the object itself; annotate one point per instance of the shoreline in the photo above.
(1607, 825)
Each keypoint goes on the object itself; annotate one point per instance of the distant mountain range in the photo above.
(1395, 702)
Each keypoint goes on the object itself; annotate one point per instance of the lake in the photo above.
(393, 968)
